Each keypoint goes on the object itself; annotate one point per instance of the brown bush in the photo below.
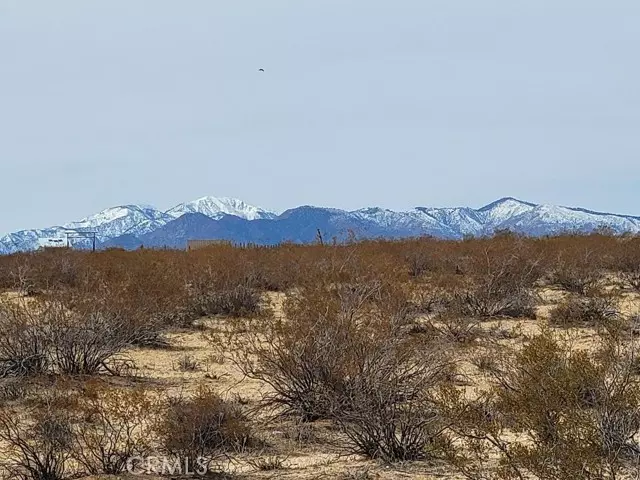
(453, 329)
(67, 432)
(311, 353)
(345, 353)
(32, 273)
(203, 427)
(90, 345)
(24, 343)
(598, 308)
(389, 411)
(578, 273)
(45, 337)
(240, 300)
(628, 264)
(499, 285)
(37, 444)
(114, 426)
(423, 258)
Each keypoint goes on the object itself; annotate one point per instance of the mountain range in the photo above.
(131, 226)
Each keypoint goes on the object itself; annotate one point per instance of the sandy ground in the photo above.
(316, 456)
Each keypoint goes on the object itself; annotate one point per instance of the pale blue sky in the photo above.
(396, 103)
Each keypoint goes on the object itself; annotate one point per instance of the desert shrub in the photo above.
(553, 412)
(32, 273)
(631, 278)
(364, 474)
(302, 433)
(421, 260)
(115, 425)
(23, 342)
(452, 328)
(45, 337)
(628, 264)
(37, 444)
(578, 273)
(203, 427)
(89, 344)
(140, 317)
(345, 352)
(499, 285)
(481, 302)
(238, 301)
(19, 277)
(486, 360)
(633, 326)
(69, 431)
(310, 352)
(188, 363)
(268, 464)
(12, 389)
(64, 270)
(596, 309)
(389, 412)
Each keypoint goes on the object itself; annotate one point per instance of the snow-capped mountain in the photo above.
(501, 211)
(226, 218)
(132, 221)
(216, 207)
(506, 213)
(126, 219)
(407, 223)
(27, 239)
(551, 219)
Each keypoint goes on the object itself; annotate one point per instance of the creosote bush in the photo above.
(69, 432)
(389, 411)
(452, 328)
(38, 443)
(113, 425)
(553, 412)
(499, 283)
(579, 273)
(345, 353)
(24, 342)
(628, 264)
(313, 350)
(43, 336)
(203, 426)
(240, 300)
(597, 309)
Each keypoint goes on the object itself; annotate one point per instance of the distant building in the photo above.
(52, 242)
(197, 244)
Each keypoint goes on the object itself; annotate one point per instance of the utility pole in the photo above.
(88, 235)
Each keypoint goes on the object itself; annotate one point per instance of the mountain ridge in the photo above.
(130, 226)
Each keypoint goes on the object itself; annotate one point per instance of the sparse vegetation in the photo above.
(503, 357)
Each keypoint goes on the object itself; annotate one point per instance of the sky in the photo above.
(396, 104)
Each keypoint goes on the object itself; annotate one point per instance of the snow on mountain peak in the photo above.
(115, 221)
(215, 207)
(104, 216)
(138, 221)
(504, 209)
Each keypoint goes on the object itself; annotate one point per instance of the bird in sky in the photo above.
(261, 69)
